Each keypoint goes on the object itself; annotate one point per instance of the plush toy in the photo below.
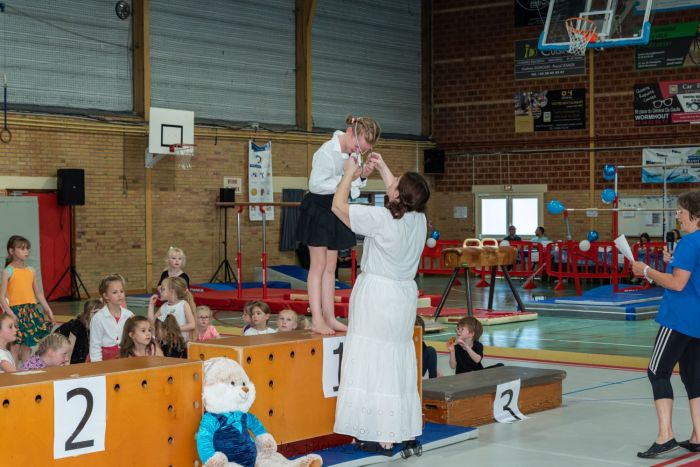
(224, 436)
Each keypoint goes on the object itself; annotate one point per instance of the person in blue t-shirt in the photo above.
(678, 339)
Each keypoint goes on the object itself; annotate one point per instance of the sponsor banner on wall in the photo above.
(530, 12)
(666, 103)
(551, 110)
(670, 157)
(530, 62)
(670, 46)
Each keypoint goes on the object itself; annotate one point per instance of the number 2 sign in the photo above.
(79, 416)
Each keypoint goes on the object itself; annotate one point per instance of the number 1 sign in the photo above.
(79, 416)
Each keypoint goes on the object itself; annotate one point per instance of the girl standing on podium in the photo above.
(378, 401)
(318, 228)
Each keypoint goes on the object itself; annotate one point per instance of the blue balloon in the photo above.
(593, 236)
(555, 207)
(609, 172)
(608, 195)
(435, 234)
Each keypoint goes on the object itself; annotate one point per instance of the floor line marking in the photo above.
(612, 383)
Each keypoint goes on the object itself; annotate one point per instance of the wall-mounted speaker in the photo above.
(227, 195)
(434, 161)
(71, 187)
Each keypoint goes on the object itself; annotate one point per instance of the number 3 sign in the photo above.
(79, 416)
(505, 405)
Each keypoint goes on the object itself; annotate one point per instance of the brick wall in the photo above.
(110, 227)
(473, 87)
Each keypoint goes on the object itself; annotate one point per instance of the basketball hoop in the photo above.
(581, 31)
(183, 154)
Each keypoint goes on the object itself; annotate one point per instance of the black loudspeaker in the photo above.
(71, 187)
(227, 195)
(434, 161)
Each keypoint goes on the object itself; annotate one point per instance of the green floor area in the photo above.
(596, 336)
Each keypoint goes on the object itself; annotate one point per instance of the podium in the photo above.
(287, 369)
(136, 411)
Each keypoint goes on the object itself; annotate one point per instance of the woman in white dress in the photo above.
(378, 401)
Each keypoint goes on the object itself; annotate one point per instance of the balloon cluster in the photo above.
(432, 240)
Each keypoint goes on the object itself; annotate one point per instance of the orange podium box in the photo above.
(136, 411)
(287, 370)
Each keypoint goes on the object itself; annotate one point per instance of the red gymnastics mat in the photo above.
(485, 317)
(277, 299)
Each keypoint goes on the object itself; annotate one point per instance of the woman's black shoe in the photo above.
(658, 449)
(375, 448)
(692, 447)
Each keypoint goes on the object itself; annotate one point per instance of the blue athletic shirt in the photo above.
(680, 311)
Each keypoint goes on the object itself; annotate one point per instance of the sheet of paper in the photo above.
(624, 247)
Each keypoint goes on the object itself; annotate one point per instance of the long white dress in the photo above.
(378, 395)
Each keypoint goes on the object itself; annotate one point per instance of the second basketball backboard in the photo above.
(618, 22)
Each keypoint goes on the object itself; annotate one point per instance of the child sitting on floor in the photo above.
(430, 369)
(169, 338)
(53, 350)
(137, 339)
(204, 330)
(259, 317)
(288, 320)
(466, 352)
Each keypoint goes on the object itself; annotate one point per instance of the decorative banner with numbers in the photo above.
(332, 361)
(550, 110)
(79, 416)
(505, 405)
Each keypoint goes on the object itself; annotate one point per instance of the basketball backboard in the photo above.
(618, 22)
(169, 127)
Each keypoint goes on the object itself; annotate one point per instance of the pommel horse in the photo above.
(473, 254)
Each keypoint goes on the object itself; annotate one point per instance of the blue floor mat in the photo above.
(604, 295)
(302, 274)
(246, 285)
(434, 436)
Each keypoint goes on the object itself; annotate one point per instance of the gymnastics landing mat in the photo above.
(434, 436)
(485, 317)
(602, 303)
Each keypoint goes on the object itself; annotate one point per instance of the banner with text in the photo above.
(260, 179)
(667, 103)
(530, 62)
(670, 46)
(670, 157)
(551, 110)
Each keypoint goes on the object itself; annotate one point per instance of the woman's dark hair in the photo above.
(644, 235)
(690, 201)
(414, 193)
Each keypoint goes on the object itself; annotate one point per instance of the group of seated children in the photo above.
(256, 316)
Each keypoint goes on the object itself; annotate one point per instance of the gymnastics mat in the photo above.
(434, 436)
(219, 286)
(605, 296)
(300, 275)
(485, 317)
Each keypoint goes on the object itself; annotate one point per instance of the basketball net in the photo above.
(581, 31)
(183, 155)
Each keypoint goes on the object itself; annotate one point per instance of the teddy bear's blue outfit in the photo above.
(228, 433)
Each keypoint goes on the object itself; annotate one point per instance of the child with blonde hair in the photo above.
(288, 320)
(259, 317)
(107, 324)
(8, 335)
(178, 302)
(77, 331)
(204, 330)
(53, 350)
(19, 294)
(137, 339)
(170, 339)
(175, 260)
(466, 352)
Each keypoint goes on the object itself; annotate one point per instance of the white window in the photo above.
(521, 206)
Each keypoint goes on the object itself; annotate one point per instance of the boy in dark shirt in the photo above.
(466, 352)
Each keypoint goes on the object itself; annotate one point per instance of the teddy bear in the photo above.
(224, 437)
